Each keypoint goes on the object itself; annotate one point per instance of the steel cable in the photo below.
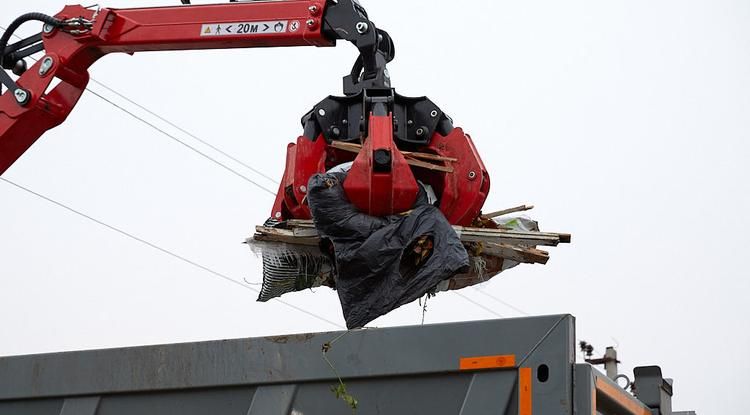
(195, 150)
(172, 137)
(485, 308)
(188, 133)
(160, 249)
(501, 301)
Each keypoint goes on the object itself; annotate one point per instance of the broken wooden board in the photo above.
(518, 246)
(414, 159)
(352, 147)
(508, 237)
(287, 236)
(522, 208)
(468, 234)
(515, 253)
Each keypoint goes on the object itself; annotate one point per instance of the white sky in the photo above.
(625, 122)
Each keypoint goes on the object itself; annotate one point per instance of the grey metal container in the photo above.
(519, 366)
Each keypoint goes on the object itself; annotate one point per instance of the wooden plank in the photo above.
(343, 145)
(266, 234)
(302, 223)
(292, 240)
(522, 208)
(428, 156)
(411, 157)
(304, 231)
(351, 147)
(425, 165)
(518, 254)
(565, 238)
(503, 236)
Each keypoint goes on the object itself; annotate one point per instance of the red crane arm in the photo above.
(80, 36)
(217, 26)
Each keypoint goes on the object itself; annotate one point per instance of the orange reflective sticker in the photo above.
(593, 402)
(524, 391)
(487, 362)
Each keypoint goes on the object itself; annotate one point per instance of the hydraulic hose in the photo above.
(41, 17)
(5, 38)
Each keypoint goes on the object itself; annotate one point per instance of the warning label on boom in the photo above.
(248, 28)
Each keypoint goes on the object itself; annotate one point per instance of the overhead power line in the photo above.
(162, 250)
(501, 301)
(483, 307)
(172, 137)
(195, 150)
(184, 131)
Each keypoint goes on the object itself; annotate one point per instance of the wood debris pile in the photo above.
(495, 243)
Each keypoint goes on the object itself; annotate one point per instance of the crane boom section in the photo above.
(44, 95)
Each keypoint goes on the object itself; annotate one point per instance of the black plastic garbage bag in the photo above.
(382, 263)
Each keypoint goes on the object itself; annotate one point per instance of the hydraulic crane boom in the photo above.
(78, 36)
(383, 178)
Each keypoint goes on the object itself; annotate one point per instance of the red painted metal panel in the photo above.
(381, 193)
(463, 192)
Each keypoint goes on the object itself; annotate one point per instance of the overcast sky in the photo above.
(626, 122)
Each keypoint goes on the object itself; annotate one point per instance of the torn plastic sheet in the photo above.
(381, 264)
